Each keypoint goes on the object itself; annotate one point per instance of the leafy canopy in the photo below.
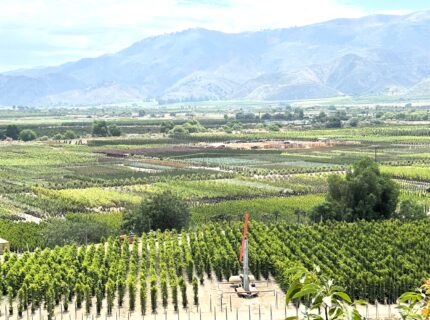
(27, 135)
(12, 131)
(159, 211)
(102, 129)
(363, 194)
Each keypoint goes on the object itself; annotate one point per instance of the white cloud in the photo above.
(31, 30)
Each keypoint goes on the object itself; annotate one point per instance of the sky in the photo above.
(49, 32)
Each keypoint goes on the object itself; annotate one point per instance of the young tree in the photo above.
(50, 302)
(143, 296)
(159, 211)
(110, 295)
(174, 287)
(88, 298)
(196, 291)
(79, 289)
(183, 287)
(411, 210)
(20, 298)
(66, 296)
(10, 299)
(164, 292)
(121, 290)
(99, 299)
(154, 299)
(33, 296)
(131, 284)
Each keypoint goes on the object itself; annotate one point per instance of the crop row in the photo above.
(373, 260)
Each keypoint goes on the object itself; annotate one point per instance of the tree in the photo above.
(164, 291)
(183, 287)
(12, 131)
(20, 298)
(195, 291)
(274, 127)
(58, 136)
(143, 295)
(69, 134)
(159, 211)
(166, 126)
(99, 299)
(299, 114)
(353, 122)
(88, 300)
(79, 289)
(110, 293)
(121, 290)
(333, 122)
(154, 299)
(27, 135)
(66, 294)
(174, 287)
(50, 302)
(114, 130)
(194, 126)
(10, 299)
(131, 281)
(411, 210)
(100, 129)
(365, 193)
(179, 131)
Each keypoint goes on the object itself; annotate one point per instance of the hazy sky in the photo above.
(49, 32)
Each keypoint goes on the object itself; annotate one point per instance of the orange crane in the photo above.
(244, 283)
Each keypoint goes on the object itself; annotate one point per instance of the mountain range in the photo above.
(373, 55)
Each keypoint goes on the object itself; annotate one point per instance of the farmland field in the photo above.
(87, 186)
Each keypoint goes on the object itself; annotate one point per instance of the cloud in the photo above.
(40, 32)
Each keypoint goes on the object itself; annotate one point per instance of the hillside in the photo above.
(373, 55)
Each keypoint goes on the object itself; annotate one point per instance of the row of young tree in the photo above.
(373, 260)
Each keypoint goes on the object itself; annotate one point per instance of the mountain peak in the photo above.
(339, 57)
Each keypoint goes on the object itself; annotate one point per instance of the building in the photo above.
(4, 245)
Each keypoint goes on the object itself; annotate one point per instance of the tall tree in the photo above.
(160, 211)
(12, 131)
(363, 194)
(100, 129)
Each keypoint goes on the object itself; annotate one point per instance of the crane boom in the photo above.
(245, 230)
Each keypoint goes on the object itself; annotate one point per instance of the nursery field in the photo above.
(51, 178)
(65, 196)
(169, 272)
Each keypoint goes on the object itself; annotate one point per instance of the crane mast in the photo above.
(244, 283)
(245, 267)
